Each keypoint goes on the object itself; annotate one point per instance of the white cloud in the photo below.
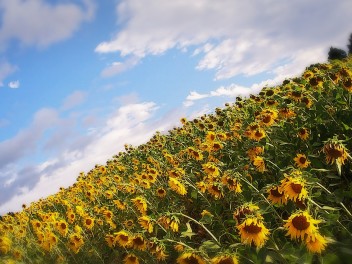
(40, 23)
(14, 84)
(131, 123)
(74, 99)
(232, 37)
(119, 67)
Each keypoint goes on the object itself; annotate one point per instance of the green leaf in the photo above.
(189, 232)
(210, 246)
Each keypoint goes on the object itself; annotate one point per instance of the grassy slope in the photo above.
(207, 165)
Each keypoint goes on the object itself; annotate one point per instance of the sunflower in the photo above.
(177, 186)
(190, 258)
(301, 161)
(252, 230)
(258, 134)
(300, 224)
(161, 192)
(110, 240)
(88, 222)
(347, 84)
(215, 190)
(259, 163)
(224, 259)
(130, 259)
(254, 152)
(244, 210)
(286, 113)
(231, 183)
(315, 243)
(138, 242)
(303, 133)
(275, 196)
(141, 204)
(293, 187)
(5, 244)
(194, 153)
(62, 227)
(307, 101)
(335, 152)
(211, 169)
(146, 222)
(122, 238)
(120, 205)
(128, 223)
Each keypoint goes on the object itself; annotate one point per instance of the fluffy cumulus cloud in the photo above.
(132, 123)
(232, 37)
(41, 23)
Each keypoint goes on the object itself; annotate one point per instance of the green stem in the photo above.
(272, 207)
(343, 206)
(206, 229)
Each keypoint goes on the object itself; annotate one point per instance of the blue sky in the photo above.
(80, 78)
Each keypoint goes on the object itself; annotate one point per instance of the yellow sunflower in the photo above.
(252, 230)
(301, 161)
(138, 242)
(123, 238)
(254, 152)
(62, 227)
(224, 259)
(177, 186)
(161, 192)
(301, 224)
(211, 169)
(293, 187)
(335, 152)
(276, 197)
(315, 243)
(5, 244)
(130, 259)
(146, 222)
(88, 222)
(303, 133)
(190, 258)
(141, 204)
(259, 163)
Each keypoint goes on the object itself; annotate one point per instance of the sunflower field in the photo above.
(267, 179)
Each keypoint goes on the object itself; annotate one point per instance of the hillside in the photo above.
(264, 180)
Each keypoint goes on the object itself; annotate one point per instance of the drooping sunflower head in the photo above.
(335, 152)
(315, 243)
(225, 259)
(246, 210)
(190, 258)
(275, 196)
(300, 225)
(253, 231)
(293, 187)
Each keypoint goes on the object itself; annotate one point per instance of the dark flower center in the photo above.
(252, 228)
(300, 222)
(296, 187)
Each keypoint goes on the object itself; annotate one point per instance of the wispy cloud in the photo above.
(119, 67)
(132, 123)
(74, 99)
(232, 37)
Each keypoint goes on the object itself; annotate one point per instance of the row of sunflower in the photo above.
(266, 179)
